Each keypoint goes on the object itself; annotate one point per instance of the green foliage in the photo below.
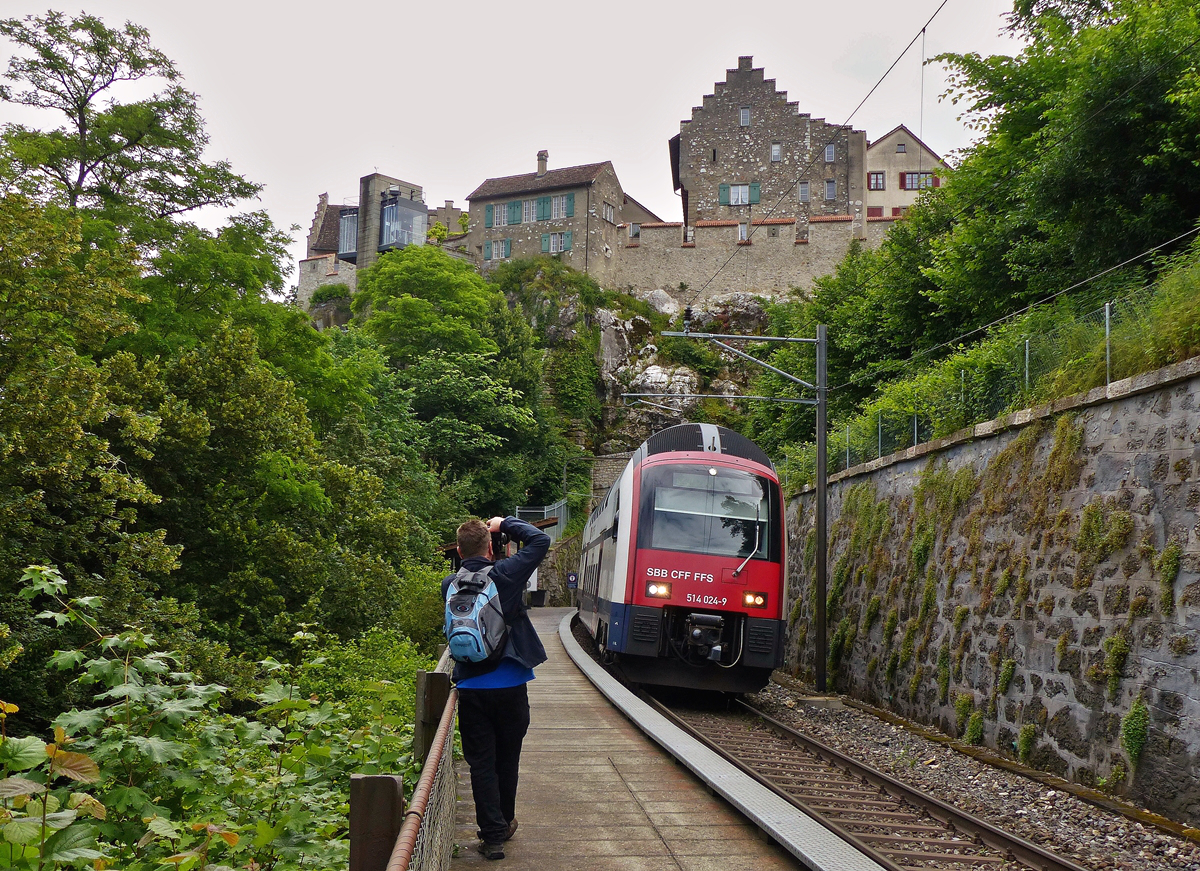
(1103, 529)
(1135, 728)
(872, 614)
(1026, 737)
(929, 596)
(464, 222)
(157, 774)
(1167, 566)
(974, 733)
(964, 704)
(131, 165)
(961, 613)
(893, 665)
(438, 232)
(1116, 649)
(841, 642)
(943, 672)
(574, 374)
(330, 293)
(1007, 670)
(420, 300)
(889, 625)
(906, 647)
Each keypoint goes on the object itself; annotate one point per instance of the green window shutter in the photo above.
(514, 212)
(543, 211)
(487, 249)
(570, 205)
(545, 243)
(723, 194)
(567, 241)
(487, 215)
(508, 247)
(754, 191)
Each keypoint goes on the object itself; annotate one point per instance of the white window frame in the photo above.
(556, 242)
(635, 230)
(743, 232)
(610, 213)
(776, 152)
(830, 153)
(804, 192)
(744, 116)
(876, 176)
(924, 181)
(739, 195)
(558, 206)
(529, 212)
(830, 189)
(500, 214)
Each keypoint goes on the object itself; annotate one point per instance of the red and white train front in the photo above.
(682, 573)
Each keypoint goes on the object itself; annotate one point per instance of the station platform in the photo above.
(598, 795)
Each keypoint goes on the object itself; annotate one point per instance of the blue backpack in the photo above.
(475, 626)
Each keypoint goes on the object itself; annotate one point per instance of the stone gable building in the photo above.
(580, 213)
(747, 152)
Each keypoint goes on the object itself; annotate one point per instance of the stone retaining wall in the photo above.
(1030, 583)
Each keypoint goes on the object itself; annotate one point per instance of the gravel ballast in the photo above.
(1054, 819)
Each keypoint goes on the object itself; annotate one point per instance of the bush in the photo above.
(1025, 739)
(974, 733)
(1135, 728)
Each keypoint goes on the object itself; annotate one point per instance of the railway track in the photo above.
(896, 825)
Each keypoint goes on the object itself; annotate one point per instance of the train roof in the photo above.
(704, 437)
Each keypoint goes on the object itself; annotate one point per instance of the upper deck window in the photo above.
(710, 510)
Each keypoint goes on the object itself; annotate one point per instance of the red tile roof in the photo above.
(567, 177)
(767, 221)
(652, 225)
(885, 218)
(714, 224)
(829, 219)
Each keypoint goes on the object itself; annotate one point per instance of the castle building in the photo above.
(390, 214)
(580, 213)
(747, 152)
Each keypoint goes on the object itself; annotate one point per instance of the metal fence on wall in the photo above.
(1093, 349)
(559, 509)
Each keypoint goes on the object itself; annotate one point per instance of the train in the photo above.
(683, 567)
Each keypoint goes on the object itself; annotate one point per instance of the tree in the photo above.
(438, 232)
(136, 163)
(420, 299)
(464, 222)
(66, 497)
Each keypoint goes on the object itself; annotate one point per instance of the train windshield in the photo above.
(709, 510)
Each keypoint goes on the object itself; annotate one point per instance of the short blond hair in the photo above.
(473, 538)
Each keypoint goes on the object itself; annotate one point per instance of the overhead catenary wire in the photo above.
(813, 160)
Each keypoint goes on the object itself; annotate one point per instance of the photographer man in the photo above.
(493, 702)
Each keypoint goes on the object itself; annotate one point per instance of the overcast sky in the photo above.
(307, 97)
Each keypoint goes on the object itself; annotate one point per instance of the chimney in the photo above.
(543, 157)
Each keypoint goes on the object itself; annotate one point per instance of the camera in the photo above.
(499, 541)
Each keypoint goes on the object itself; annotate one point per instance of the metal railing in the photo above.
(559, 509)
(384, 834)
(1035, 360)
(426, 840)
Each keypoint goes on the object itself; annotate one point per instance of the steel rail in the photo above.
(833, 827)
(998, 839)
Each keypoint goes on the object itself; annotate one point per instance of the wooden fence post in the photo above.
(432, 691)
(376, 814)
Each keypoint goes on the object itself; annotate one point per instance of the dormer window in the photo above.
(900, 148)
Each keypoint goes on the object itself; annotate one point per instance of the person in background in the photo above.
(493, 701)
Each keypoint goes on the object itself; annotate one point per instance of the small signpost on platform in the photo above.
(572, 581)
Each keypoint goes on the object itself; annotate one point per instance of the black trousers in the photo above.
(493, 724)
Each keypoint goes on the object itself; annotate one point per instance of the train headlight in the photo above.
(658, 590)
(755, 600)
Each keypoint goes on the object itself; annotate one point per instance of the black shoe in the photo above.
(491, 851)
(512, 830)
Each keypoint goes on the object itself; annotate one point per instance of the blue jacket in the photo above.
(510, 576)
